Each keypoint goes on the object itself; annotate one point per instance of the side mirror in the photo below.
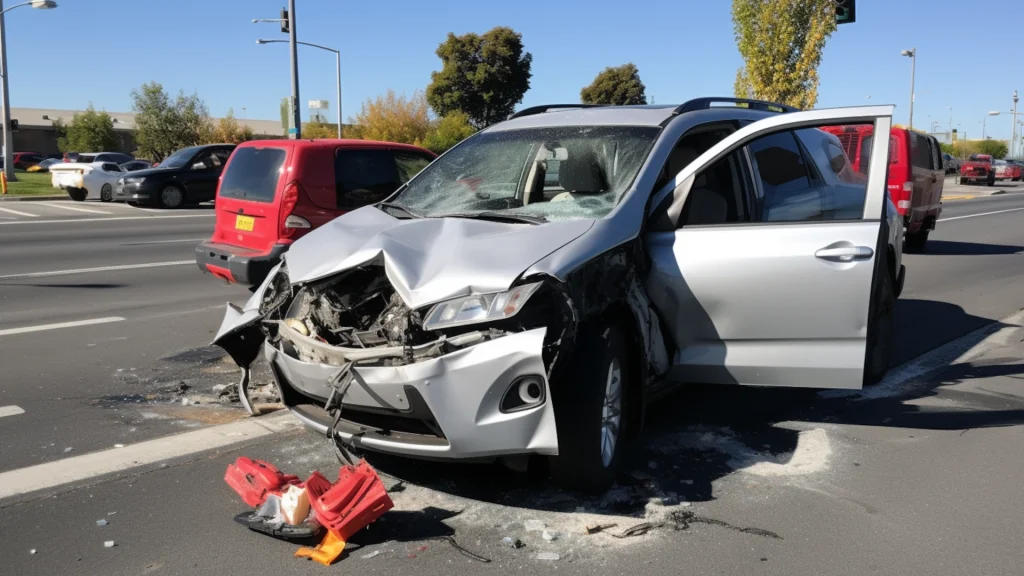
(199, 166)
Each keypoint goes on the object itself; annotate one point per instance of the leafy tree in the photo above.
(448, 131)
(394, 119)
(227, 130)
(618, 85)
(946, 148)
(320, 129)
(781, 42)
(483, 76)
(163, 125)
(996, 148)
(88, 131)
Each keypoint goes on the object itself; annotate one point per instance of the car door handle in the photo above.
(845, 253)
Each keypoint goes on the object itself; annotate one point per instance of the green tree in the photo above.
(163, 125)
(483, 76)
(392, 118)
(946, 147)
(320, 129)
(88, 131)
(448, 131)
(996, 148)
(616, 86)
(228, 131)
(781, 42)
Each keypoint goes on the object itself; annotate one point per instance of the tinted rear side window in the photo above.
(364, 176)
(253, 174)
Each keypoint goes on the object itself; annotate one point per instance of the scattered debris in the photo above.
(32, 551)
(111, 513)
(373, 554)
(118, 445)
(182, 388)
(549, 536)
(184, 401)
(683, 519)
(513, 542)
(548, 556)
(109, 544)
(68, 449)
(534, 526)
(102, 522)
(685, 504)
(222, 389)
(460, 549)
(688, 482)
(591, 530)
(639, 529)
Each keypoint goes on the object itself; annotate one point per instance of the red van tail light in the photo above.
(908, 186)
(289, 200)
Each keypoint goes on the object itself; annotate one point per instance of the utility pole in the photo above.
(1013, 125)
(950, 124)
(8, 143)
(296, 114)
(912, 53)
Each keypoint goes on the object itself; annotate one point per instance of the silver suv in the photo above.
(531, 290)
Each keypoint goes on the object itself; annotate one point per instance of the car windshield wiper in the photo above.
(400, 208)
(498, 216)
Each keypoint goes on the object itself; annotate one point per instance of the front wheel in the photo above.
(171, 197)
(592, 412)
(880, 326)
(77, 194)
(106, 193)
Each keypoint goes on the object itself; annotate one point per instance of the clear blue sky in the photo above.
(99, 50)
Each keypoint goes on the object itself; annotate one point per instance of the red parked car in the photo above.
(1006, 170)
(915, 179)
(273, 192)
(26, 160)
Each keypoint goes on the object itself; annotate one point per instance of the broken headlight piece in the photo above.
(479, 308)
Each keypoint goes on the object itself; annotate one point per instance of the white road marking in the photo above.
(982, 214)
(76, 323)
(75, 208)
(10, 411)
(18, 212)
(164, 241)
(100, 269)
(77, 220)
(86, 466)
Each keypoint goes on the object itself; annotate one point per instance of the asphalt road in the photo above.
(890, 492)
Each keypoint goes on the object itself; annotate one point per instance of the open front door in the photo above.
(764, 253)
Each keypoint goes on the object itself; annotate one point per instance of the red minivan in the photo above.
(272, 192)
(915, 179)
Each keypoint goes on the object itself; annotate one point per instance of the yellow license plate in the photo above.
(244, 223)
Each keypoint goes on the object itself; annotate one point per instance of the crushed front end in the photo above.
(464, 378)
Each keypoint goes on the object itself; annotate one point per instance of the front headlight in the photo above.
(136, 180)
(479, 308)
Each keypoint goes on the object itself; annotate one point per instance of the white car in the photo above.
(91, 176)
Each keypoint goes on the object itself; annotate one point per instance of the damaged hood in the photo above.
(429, 260)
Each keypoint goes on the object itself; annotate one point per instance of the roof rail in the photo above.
(548, 107)
(705, 103)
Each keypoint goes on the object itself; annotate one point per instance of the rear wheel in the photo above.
(915, 243)
(171, 197)
(77, 194)
(106, 193)
(963, 181)
(592, 412)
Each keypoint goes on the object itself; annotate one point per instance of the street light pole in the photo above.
(1013, 126)
(5, 99)
(296, 115)
(912, 53)
(337, 63)
(983, 118)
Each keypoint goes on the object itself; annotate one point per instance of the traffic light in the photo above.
(846, 11)
(284, 21)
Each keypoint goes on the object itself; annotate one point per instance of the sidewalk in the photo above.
(952, 190)
(39, 197)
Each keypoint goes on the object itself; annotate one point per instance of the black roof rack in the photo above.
(548, 107)
(705, 103)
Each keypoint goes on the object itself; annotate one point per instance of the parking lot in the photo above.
(724, 479)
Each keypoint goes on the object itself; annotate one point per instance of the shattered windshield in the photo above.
(559, 173)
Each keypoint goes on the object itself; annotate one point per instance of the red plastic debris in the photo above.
(254, 479)
(353, 502)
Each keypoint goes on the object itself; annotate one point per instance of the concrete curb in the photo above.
(33, 198)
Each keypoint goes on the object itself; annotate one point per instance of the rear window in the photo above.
(253, 174)
(83, 159)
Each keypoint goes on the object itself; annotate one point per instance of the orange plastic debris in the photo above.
(357, 499)
(326, 552)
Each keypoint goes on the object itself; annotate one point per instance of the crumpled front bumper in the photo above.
(460, 392)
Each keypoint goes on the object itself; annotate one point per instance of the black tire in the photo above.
(880, 322)
(579, 402)
(167, 194)
(963, 181)
(915, 243)
(106, 193)
(77, 194)
(991, 182)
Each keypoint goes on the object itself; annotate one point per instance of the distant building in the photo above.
(36, 134)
